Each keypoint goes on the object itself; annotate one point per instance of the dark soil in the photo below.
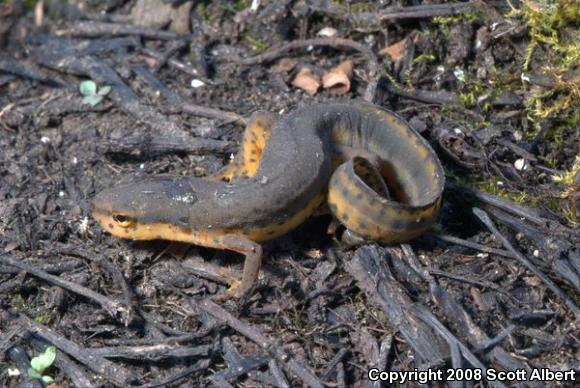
(494, 286)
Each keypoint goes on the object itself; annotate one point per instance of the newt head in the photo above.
(140, 210)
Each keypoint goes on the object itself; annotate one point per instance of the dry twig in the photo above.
(112, 307)
(526, 263)
(264, 342)
(110, 371)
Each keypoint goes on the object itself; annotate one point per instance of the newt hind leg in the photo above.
(247, 160)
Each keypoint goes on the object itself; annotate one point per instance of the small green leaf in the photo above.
(92, 100)
(88, 88)
(104, 90)
(32, 373)
(44, 360)
(47, 380)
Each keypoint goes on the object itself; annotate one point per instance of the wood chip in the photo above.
(307, 81)
(337, 79)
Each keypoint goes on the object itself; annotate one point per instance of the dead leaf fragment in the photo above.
(394, 51)
(337, 79)
(307, 81)
(397, 50)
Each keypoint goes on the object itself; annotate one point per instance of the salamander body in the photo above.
(379, 177)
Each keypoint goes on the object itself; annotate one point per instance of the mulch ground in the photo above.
(494, 286)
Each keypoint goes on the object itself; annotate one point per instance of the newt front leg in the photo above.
(253, 261)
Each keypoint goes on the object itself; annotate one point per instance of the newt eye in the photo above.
(123, 220)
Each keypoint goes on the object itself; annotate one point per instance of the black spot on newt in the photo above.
(397, 224)
(333, 207)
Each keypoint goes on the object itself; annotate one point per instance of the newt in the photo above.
(379, 177)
